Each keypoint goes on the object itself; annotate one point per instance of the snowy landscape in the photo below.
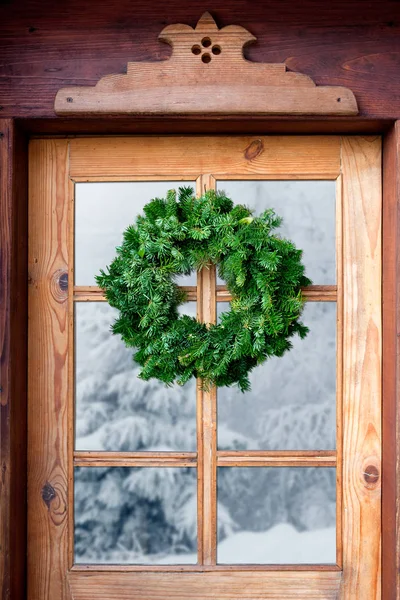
(148, 515)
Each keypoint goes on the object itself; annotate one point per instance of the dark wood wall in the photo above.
(47, 44)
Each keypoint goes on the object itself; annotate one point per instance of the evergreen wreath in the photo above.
(262, 271)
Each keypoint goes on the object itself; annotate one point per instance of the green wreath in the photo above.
(262, 271)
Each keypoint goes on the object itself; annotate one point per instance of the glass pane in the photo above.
(136, 516)
(292, 401)
(115, 410)
(308, 212)
(102, 213)
(276, 515)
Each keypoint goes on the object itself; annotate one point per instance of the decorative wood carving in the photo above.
(206, 74)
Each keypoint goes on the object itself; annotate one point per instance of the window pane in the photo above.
(102, 213)
(292, 401)
(115, 410)
(135, 515)
(276, 515)
(308, 212)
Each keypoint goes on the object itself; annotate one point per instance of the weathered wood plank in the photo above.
(13, 327)
(361, 163)
(354, 44)
(48, 371)
(391, 365)
(275, 156)
(295, 585)
(207, 68)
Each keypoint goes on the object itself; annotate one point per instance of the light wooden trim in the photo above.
(207, 313)
(71, 369)
(134, 178)
(339, 369)
(311, 293)
(198, 79)
(279, 584)
(200, 432)
(281, 176)
(135, 459)
(361, 522)
(48, 370)
(91, 454)
(92, 293)
(288, 458)
(92, 568)
(245, 156)
(134, 462)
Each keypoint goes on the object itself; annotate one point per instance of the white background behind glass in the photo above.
(103, 210)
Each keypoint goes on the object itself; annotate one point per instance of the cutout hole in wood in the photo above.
(206, 42)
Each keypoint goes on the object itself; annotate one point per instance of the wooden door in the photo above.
(140, 492)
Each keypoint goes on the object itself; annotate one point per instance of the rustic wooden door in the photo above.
(138, 491)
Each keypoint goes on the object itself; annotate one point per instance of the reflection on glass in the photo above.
(308, 212)
(115, 410)
(276, 515)
(127, 515)
(102, 213)
(292, 401)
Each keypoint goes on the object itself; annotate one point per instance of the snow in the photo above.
(149, 515)
(282, 544)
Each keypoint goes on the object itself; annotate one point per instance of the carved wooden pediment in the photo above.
(206, 74)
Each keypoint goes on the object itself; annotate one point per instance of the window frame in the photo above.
(320, 577)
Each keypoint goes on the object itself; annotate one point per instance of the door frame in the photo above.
(13, 287)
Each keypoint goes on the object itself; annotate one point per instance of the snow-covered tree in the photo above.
(150, 514)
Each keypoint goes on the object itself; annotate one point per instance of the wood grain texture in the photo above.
(207, 71)
(48, 371)
(135, 459)
(13, 328)
(207, 462)
(51, 44)
(282, 458)
(391, 363)
(361, 458)
(339, 369)
(305, 585)
(278, 156)
(361, 163)
(201, 568)
(312, 293)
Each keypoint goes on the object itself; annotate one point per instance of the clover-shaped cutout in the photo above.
(203, 49)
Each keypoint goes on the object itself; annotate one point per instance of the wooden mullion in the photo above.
(207, 402)
(135, 459)
(93, 293)
(133, 462)
(256, 458)
(312, 293)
